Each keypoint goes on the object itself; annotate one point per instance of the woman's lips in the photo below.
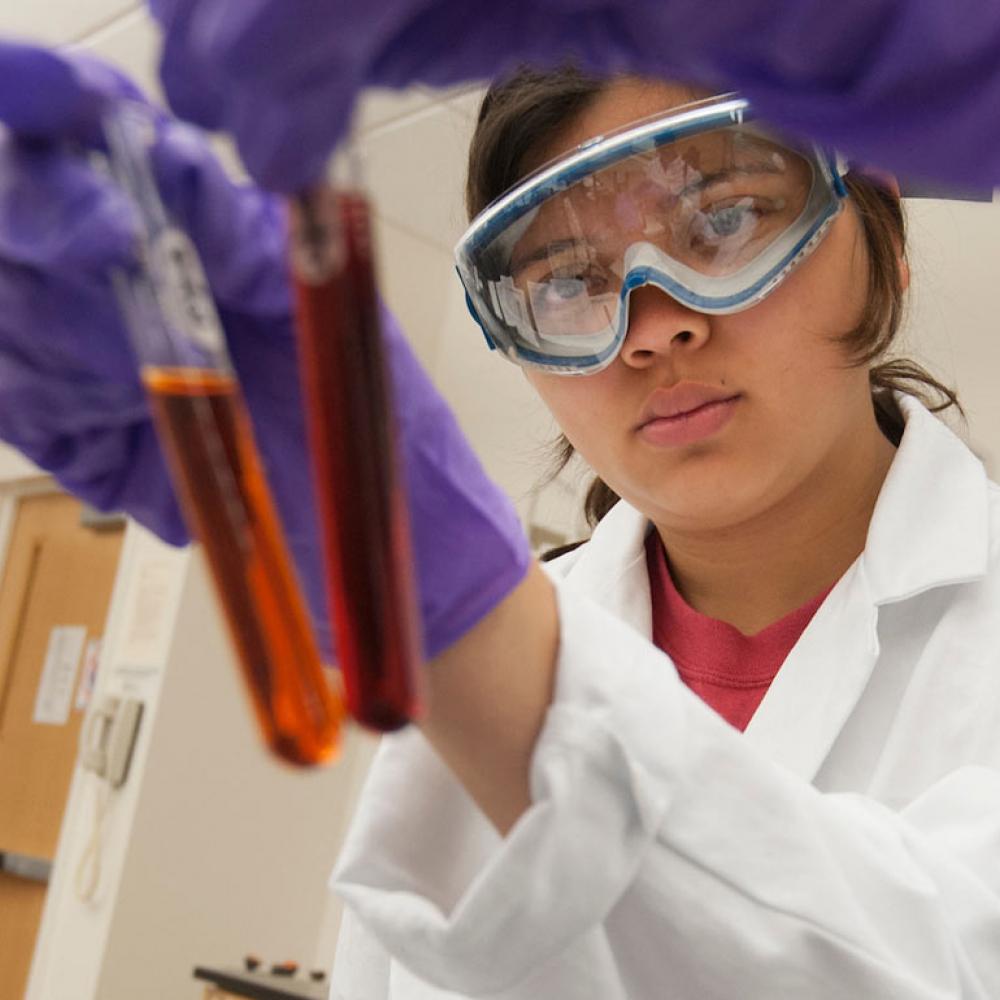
(689, 426)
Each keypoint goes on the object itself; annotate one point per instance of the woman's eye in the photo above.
(719, 222)
(563, 289)
(728, 221)
(560, 289)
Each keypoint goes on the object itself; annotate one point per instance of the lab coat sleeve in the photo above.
(661, 848)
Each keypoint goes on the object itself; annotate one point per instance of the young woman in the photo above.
(572, 819)
(807, 543)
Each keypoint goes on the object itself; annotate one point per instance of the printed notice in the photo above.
(55, 688)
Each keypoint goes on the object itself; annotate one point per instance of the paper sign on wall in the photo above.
(55, 687)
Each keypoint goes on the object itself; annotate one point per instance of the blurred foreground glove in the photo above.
(899, 83)
(70, 396)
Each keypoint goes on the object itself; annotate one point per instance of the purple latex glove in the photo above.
(70, 398)
(900, 83)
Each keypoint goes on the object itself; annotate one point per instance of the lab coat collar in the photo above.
(611, 567)
(930, 527)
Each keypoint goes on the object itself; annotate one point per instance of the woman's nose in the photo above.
(659, 325)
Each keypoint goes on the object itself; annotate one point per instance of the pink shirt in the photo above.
(728, 670)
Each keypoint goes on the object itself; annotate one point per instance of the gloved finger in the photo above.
(39, 401)
(93, 434)
(192, 83)
(52, 324)
(48, 95)
(58, 214)
(209, 47)
(286, 152)
(113, 470)
(282, 81)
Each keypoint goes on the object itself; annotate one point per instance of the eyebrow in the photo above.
(720, 175)
(542, 251)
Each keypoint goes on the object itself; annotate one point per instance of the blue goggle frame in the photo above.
(595, 155)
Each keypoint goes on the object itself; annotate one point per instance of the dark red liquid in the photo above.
(203, 424)
(366, 528)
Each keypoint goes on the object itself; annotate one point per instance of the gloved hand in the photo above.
(70, 398)
(899, 83)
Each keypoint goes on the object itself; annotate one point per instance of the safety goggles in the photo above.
(699, 202)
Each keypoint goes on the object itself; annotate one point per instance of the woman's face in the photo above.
(783, 406)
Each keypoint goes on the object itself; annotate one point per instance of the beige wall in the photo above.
(13, 465)
(953, 322)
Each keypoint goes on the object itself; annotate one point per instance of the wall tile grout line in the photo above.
(95, 33)
(404, 118)
(393, 223)
(436, 101)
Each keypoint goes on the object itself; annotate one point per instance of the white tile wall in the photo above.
(13, 465)
(953, 319)
(59, 22)
(131, 43)
(415, 171)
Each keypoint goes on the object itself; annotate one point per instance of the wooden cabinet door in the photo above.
(56, 584)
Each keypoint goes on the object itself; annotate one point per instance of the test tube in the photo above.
(355, 462)
(205, 430)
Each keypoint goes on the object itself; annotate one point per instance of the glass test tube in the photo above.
(205, 431)
(365, 522)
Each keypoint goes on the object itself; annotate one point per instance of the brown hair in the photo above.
(530, 107)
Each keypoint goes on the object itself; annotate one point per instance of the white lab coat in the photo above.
(846, 846)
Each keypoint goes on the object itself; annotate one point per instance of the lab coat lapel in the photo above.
(821, 680)
(611, 568)
(930, 528)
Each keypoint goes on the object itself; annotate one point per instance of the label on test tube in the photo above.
(182, 289)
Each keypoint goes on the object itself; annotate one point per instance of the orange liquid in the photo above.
(202, 422)
(365, 522)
